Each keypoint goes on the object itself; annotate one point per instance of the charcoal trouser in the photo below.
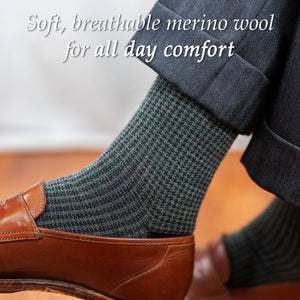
(254, 90)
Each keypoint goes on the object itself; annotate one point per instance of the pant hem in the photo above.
(274, 164)
(231, 88)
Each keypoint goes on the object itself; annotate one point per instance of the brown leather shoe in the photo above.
(212, 270)
(86, 266)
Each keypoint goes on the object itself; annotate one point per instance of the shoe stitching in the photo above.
(35, 231)
(115, 243)
(43, 198)
(143, 273)
(12, 232)
(20, 238)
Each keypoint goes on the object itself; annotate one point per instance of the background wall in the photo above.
(83, 103)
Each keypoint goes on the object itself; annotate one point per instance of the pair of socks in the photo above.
(150, 183)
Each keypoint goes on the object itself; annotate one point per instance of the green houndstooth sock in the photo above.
(267, 250)
(151, 180)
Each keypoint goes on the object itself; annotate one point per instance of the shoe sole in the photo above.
(280, 291)
(15, 285)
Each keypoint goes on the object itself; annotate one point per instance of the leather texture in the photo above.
(120, 268)
(212, 270)
(16, 218)
(35, 199)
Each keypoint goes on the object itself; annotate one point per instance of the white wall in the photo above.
(82, 103)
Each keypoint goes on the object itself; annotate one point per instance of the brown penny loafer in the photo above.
(86, 266)
(212, 270)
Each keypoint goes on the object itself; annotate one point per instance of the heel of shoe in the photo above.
(169, 278)
(279, 291)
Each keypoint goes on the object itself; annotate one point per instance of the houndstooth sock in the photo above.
(268, 249)
(151, 180)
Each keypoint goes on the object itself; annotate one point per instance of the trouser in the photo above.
(254, 89)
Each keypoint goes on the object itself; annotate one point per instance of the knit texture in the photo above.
(268, 249)
(151, 180)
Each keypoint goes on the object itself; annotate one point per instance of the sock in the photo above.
(151, 180)
(267, 250)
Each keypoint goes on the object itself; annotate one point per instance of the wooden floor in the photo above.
(231, 201)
